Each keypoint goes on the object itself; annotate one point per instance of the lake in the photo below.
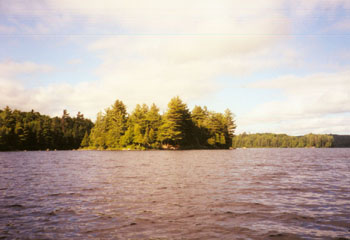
(201, 194)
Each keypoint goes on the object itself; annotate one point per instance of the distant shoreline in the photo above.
(162, 150)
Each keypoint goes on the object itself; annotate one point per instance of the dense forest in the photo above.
(33, 131)
(146, 128)
(341, 141)
(270, 140)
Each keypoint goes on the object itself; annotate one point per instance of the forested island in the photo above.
(143, 128)
(146, 128)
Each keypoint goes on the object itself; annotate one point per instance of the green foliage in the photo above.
(176, 125)
(145, 128)
(269, 140)
(85, 141)
(33, 131)
(115, 124)
(213, 129)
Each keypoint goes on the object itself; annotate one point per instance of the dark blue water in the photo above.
(237, 194)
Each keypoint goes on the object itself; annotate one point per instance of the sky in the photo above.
(280, 66)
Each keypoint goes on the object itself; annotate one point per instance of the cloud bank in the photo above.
(150, 51)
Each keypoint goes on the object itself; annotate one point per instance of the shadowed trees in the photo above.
(33, 131)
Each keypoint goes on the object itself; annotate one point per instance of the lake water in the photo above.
(218, 194)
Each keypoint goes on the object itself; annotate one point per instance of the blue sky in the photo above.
(280, 66)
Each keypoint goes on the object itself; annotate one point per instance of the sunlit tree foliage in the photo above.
(145, 128)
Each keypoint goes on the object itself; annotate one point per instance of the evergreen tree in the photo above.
(139, 124)
(153, 121)
(199, 115)
(176, 126)
(116, 119)
(98, 133)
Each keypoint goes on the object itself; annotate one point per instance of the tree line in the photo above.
(270, 140)
(146, 128)
(33, 131)
(341, 141)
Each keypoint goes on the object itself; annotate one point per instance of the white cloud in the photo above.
(226, 39)
(11, 68)
(12, 90)
(230, 38)
(166, 16)
(154, 68)
(331, 124)
(308, 104)
(157, 68)
(183, 47)
(312, 95)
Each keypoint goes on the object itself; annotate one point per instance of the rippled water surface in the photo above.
(237, 194)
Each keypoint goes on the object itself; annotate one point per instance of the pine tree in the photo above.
(199, 115)
(139, 124)
(153, 121)
(200, 119)
(116, 119)
(177, 124)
